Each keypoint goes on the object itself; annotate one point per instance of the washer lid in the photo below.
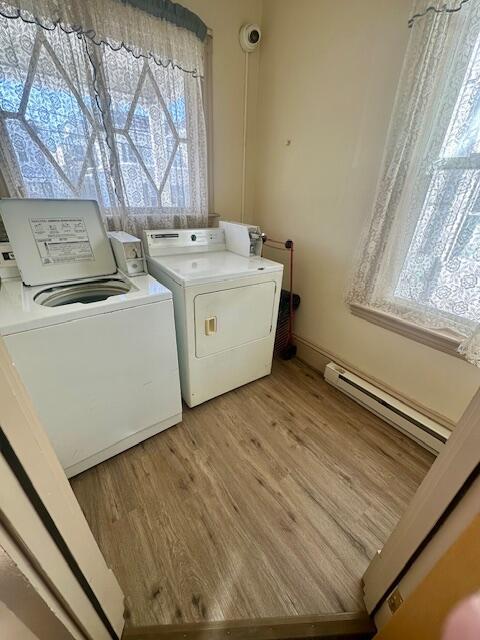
(57, 240)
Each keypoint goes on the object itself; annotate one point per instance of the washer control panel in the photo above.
(128, 251)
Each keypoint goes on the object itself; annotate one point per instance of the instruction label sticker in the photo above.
(61, 240)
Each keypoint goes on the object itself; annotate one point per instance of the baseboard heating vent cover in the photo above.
(425, 431)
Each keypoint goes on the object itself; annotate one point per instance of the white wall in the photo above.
(224, 18)
(328, 72)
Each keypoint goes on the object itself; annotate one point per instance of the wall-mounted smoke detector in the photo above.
(250, 36)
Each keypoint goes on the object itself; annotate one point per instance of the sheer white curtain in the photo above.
(420, 258)
(102, 100)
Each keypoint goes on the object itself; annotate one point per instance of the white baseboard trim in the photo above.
(318, 358)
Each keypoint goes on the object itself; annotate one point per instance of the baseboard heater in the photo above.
(415, 425)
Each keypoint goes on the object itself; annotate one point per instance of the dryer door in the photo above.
(232, 317)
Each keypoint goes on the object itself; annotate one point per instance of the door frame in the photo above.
(452, 473)
(41, 517)
(33, 609)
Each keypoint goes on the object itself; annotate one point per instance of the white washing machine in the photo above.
(226, 305)
(96, 349)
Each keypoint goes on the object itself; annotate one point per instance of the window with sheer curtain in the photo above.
(420, 260)
(106, 116)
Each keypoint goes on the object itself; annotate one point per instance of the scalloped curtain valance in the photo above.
(160, 30)
(424, 7)
(172, 12)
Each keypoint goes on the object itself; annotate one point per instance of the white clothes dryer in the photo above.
(226, 306)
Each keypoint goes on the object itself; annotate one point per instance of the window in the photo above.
(442, 266)
(79, 120)
(420, 262)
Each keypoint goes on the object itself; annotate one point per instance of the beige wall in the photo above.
(328, 72)
(224, 18)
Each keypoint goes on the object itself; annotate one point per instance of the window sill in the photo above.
(446, 342)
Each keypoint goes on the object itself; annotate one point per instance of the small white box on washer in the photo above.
(128, 252)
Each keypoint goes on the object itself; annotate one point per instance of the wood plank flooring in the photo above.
(267, 501)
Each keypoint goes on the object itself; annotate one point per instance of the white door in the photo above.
(233, 317)
(453, 470)
(41, 521)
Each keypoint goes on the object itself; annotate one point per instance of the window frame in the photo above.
(207, 95)
(386, 285)
(207, 92)
(445, 341)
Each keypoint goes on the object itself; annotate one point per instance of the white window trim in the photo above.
(208, 110)
(448, 342)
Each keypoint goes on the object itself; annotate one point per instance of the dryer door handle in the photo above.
(210, 325)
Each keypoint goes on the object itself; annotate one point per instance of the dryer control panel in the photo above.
(164, 242)
(242, 239)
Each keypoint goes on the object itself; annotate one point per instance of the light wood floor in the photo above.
(268, 501)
